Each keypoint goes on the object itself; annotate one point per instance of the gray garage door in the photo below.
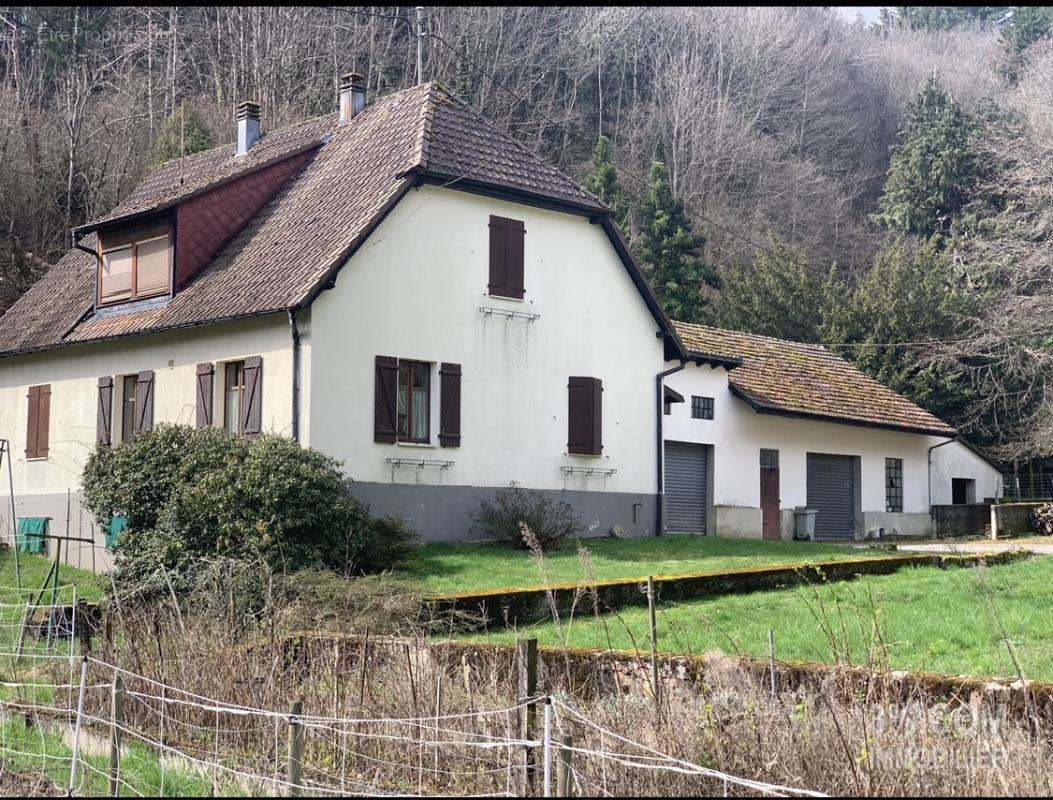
(685, 487)
(832, 493)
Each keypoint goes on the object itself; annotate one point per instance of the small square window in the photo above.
(701, 407)
(894, 485)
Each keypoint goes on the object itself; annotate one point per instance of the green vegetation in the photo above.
(35, 749)
(945, 621)
(197, 494)
(185, 132)
(602, 181)
(452, 568)
(34, 569)
(672, 252)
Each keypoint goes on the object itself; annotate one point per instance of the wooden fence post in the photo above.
(116, 721)
(563, 781)
(295, 748)
(526, 666)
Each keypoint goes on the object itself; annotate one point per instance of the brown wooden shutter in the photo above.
(206, 374)
(450, 405)
(385, 408)
(38, 420)
(253, 405)
(585, 416)
(506, 257)
(104, 425)
(498, 252)
(514, 258)
(144, 402)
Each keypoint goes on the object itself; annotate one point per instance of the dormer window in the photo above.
(135, 266)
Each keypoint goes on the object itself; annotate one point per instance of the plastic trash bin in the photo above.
(804, 523)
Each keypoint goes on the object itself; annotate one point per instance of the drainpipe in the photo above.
(660, 404)
(294, 330)
(941, 444)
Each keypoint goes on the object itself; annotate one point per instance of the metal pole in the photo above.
(420, 40)
(546, 788)
(526, 665)
(76, 729)
(654, 637)
(5, 447)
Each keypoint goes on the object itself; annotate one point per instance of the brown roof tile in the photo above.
(807, 380)
(284, 255)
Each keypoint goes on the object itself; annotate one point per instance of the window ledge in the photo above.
(425, 445)
(36, 458)
(130, 306)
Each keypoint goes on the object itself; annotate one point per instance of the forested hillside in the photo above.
(886, 190)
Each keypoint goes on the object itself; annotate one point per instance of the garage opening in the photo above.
(686, 487)
(832, 493)
(963, 491)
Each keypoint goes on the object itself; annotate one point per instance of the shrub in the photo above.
(1042, 519)
(503, 518)
(197, 494)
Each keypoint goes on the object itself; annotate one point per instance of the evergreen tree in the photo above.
(779, 295)
(945, 18)
(934, 168)
(183, 133)
(672, 251)
(602, 181)
(1025, 26)
(909, 296)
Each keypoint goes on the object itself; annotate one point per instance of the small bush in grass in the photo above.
(191, 494)
(503, 517)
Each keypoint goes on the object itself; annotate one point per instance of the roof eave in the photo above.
(762, 407)
(727, 362)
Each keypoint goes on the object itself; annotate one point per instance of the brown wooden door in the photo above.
(769, 494)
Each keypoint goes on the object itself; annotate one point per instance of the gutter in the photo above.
(941, 444)
(294, 331)
(659, 460)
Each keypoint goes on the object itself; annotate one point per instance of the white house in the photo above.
(405, 287)
(793, 425)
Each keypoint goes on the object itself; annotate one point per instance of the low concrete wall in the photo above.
(740, 522)
(1011, 519)
(895, 524)
(509, 607)
(968, 519)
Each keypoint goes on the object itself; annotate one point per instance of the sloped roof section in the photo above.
(807, 380)
(289, 252)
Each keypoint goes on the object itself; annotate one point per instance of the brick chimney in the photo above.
(248, 118)
(352, 96)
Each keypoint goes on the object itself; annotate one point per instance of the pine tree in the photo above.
(1025, 26)
(934, 168)
(183, 133)
(945, 18)
(602, 181)
(672, 251)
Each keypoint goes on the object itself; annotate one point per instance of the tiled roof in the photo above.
(807, 380)
(285, 255)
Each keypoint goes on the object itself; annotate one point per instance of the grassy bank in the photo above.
(947, 621)
(449, 568)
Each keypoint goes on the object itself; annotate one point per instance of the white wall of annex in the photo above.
(738, 433)
(414, 291)
(958, 461)
(73, 373)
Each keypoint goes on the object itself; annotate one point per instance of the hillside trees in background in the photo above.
(672, 252)
(602, 181)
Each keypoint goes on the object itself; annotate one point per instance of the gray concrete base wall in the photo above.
(742, 522)
(900, 524)
(443, 513)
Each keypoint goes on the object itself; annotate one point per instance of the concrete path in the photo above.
(981, 546)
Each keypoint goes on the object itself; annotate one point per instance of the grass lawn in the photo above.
(930, 619)
(451, 568)
(34, 569)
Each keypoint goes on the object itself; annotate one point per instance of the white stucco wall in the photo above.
(738, 433)
(958, 461)
(73, 374)
(414, 291)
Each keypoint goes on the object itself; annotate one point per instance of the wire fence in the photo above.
(105, 728)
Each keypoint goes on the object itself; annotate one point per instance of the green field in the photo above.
(946, 621)
(451, 568)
